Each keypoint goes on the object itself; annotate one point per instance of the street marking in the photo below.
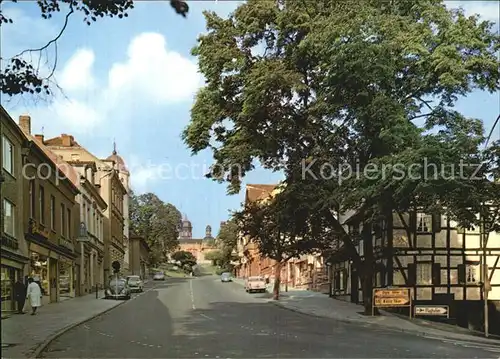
(191, 293)
(206, 316)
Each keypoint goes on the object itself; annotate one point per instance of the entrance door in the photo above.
(53, 276)
(354, 287)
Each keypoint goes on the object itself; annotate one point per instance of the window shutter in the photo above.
(461, 274)
(436, 274)
(413, 221)
(436, 223)
(412, 274)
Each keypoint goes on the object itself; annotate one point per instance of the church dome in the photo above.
(115, 157)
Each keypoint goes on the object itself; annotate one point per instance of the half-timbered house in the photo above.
(440, 261)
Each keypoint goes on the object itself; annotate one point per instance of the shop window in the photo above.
(39, 271)
(8, 218)
(66, 279)
(8, 278)
(52, 212)
(8, 155)
(41, 204)
(32, 199)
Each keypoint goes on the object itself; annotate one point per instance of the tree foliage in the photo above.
(324, 91)
(20, 75)
(185, 258)
(157, 222)
(226, 241)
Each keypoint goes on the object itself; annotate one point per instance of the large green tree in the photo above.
(296, 85)
(157, 222)
(21, 73)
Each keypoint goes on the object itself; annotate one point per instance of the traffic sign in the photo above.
(432, 310)
(391, 298)
(392, 302)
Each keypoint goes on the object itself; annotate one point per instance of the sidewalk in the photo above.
(23, 334)
(320, 305)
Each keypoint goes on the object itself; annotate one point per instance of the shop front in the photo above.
(8, 276)
(42, 271)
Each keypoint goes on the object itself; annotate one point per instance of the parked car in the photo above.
(255, 284)
(135, 283)
(117, 289)
(159, 276)
(226, 277)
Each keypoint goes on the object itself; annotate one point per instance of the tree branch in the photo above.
(66, 20)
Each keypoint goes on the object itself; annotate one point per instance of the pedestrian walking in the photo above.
(20, 295)
(34, 295)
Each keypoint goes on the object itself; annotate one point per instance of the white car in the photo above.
(135, 283)
(159, 276)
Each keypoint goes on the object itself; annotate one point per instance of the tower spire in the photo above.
(114, 146)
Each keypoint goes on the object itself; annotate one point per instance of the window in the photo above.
(41, 204)
(89, 225)
(340, 279)
(8, 218)
(68, 223)
(8, 155)
(424, 273)
(468, 273)
(32, 199)
(52, 212)
(424, 223)
(63, 220)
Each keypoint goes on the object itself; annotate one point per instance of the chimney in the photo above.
(25, 124)
(67, 140)
(39, 138)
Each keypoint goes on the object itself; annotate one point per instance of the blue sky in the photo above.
(134, 80)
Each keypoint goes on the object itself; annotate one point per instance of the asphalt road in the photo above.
(204, 318)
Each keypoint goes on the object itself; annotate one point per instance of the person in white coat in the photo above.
(34, 295)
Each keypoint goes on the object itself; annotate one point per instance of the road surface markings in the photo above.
(191, 293)
(206, 316)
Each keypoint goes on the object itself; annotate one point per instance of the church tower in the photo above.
(186, 230)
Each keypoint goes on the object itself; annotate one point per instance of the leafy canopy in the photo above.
(157, 222)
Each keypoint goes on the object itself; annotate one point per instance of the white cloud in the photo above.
(151, 75)
(154, 72)
(77, 74)
(488, 10)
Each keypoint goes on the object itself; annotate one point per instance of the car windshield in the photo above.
(226, 275)
(117, 282)
(133, 279)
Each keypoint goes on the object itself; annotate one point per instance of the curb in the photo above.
(400, 330)
(41, 347)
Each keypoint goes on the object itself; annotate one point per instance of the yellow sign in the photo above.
(391, 293)
(391, 297)
(391, 302)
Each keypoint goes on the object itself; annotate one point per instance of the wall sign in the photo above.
(432, 310)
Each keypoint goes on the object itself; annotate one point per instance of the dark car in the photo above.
(226, 277)
(117, 289)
